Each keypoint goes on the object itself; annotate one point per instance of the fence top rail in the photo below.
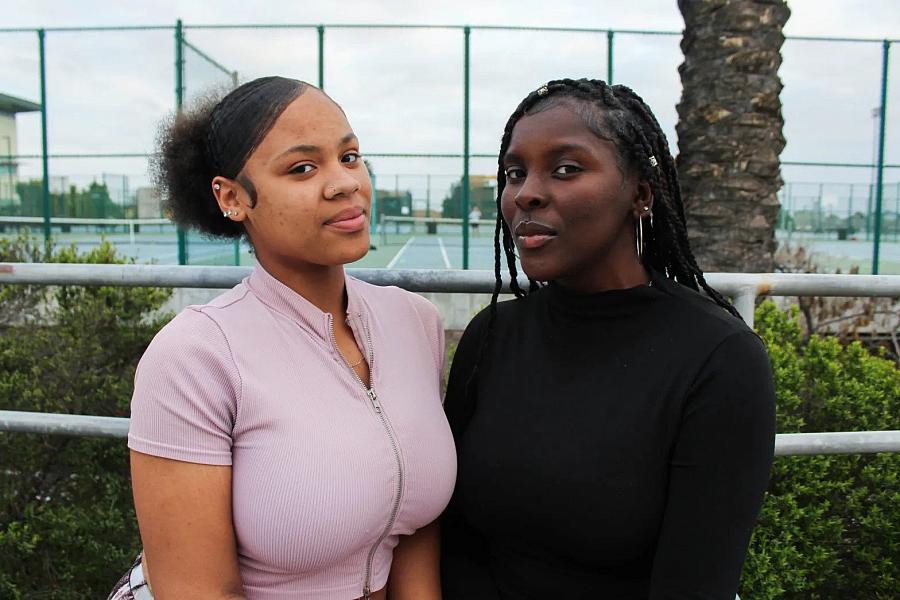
(602, 30)
(73, 155)
(786, 444)
(87, 221)
(426, 280)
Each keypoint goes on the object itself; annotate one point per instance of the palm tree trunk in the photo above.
(730, 130)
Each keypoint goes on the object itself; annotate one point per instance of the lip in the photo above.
(533, 234)
(349, 220)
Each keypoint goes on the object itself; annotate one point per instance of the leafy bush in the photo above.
(829, 524)
(67, 526)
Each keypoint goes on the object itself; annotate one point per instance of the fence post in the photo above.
(610, 34)
(850, 209)
(321, 30)
(869, 211)
(179, 102)
(45, 188)
(428, 194)
(465, 182)
(819, 228)
(879, 192)
(373, 210)
(896, 210)
(745, 303)
(789, 222)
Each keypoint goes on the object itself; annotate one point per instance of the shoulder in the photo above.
(198, 329)
(698, 315)
(506, 313)
(393, 299)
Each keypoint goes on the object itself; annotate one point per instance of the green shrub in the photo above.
(829, 524)
(67, 526)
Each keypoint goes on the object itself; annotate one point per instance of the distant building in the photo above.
(148, 203)
(9, 147)
(482, 193)
(394, 203)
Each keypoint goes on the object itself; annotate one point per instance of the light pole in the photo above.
(876, 118)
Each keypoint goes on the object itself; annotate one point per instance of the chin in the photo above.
(352, 252)
(540, 271)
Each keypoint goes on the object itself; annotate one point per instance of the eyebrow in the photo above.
(313, 149)
(557, 149)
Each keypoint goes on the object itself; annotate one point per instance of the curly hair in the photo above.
(215, 137)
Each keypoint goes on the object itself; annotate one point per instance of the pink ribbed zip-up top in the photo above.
(325, 473)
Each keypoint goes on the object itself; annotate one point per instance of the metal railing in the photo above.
(786, 444)
(743, 287)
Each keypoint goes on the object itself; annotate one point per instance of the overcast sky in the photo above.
(403, 89)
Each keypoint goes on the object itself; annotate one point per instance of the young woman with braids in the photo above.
(287, 437)
(614, 427)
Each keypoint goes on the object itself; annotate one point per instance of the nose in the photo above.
(531, 194)
(341, 184)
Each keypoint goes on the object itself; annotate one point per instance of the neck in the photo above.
(612, 274)
(321, 285)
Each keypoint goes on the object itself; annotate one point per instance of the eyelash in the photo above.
(297, 170)
(514, 173)
(357, 157)
(573, 167)
(511, 173)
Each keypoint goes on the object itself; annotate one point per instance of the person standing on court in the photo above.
(287, 438)
(474, 218)
(614, 427)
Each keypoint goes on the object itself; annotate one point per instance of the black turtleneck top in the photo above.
(611, 446)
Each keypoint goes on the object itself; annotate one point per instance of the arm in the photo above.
(415, 573)
(718, 474)
(461, 549)
(415, 570)
(183, 412)
(184, 514)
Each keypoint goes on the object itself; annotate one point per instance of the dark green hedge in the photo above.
(830, 525)
(67, 526)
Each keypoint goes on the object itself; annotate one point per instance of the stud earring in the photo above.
(217, 186)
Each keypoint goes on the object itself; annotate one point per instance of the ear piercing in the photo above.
(217, 186)
(230, 213)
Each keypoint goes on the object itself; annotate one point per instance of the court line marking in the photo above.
(400, 252)
(444, 253)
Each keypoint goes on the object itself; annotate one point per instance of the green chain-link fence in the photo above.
(439, 114)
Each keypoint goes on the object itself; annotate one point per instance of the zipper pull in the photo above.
(373, 397)
(367, 593)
